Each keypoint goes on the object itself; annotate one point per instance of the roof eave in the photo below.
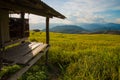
(38, 7)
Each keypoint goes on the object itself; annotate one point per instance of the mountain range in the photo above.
(95, 27)
(87, 28)
(72, 29)
(81, 28)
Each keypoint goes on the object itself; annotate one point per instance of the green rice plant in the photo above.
(82, 56)
(8, 70)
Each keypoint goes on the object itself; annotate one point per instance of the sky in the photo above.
(82, 11)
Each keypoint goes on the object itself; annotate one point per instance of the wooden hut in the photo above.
(14, 30)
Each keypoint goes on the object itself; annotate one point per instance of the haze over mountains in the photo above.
(85, 28)
(68, 29)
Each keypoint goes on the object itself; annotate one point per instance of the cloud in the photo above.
(92, 5)
(82, 11)
(34, 19)
(85, 10)
(61, 21)
(117, 21)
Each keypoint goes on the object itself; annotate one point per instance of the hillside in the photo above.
(68, 29)
(107, 32)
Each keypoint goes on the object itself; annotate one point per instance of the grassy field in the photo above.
(77, 57)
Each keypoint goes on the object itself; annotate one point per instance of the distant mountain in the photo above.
(82, 28)
(68, 29)
(94, 27)
(113, 26)
(101, 27)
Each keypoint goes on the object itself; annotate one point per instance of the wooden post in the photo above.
(0, 46)
(22, 24)
(47, 36)
(47, 30)
(4, 32)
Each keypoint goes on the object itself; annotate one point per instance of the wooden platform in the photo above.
(23, 53)
(19, 73)
(27, 53)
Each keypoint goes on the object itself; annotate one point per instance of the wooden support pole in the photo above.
(47, 36)
(4, 32)
(0, 44)
(47, 30)
(22, 23)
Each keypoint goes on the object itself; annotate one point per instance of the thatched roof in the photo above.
(30, 6)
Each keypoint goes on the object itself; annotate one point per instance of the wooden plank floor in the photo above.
(17, 75)
(23, 53)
